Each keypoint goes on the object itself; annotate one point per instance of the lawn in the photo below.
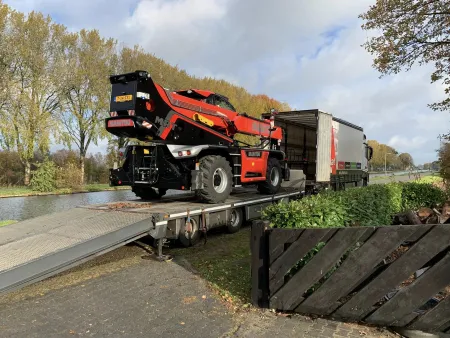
(7, 222)
(430, 179)
(24, 191)
(225, 263)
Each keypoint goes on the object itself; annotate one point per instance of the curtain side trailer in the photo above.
(324, 151)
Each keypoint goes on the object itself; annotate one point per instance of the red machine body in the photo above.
(192, 106)
(192, 125)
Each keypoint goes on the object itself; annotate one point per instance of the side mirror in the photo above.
(370, 153)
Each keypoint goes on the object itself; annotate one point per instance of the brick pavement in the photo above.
(152, 299)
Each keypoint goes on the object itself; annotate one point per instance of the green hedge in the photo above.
(374, 205)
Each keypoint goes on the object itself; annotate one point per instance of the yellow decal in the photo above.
(123, 98)
(202, 119)
(253, 164)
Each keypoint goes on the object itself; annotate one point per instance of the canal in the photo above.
(21, 208)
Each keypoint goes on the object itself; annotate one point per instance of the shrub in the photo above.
(69, 176)
(416, 195)
(44, 177)
(374, 205)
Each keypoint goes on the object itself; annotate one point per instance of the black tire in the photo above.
(237, 218)
(272, 183)
(186, 238)
(162, 192)
(149, 193)
(217, 179)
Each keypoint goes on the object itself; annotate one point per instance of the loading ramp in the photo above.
(41, 247)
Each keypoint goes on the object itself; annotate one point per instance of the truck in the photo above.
(192, 143)
(324, 151)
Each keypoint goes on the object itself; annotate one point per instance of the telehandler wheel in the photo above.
(273, 178)
(162, 192)
(217, 179)
(149, 193)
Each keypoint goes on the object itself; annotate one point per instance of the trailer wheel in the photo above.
(217, 179)
(273, 178)
(236, 220)
(189, 238)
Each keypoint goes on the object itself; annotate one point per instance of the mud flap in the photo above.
(196, 180)
(286, 172)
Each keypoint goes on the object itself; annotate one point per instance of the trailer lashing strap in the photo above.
(63, 244)
(204, 228)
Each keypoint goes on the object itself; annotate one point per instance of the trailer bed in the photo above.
(40, 247)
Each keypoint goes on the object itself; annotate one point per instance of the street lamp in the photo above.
(385, 171)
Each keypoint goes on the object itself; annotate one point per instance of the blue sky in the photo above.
(306, 53)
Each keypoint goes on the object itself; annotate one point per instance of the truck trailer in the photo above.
(324, 151)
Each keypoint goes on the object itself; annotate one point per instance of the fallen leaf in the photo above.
(189, 300)
(182, 323)
(72, 332)
(203, 297)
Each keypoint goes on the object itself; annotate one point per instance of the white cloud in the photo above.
(307, 53)
(406, 144)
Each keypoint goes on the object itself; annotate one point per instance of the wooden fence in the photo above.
(394, 276)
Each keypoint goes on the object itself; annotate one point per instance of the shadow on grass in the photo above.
(224, 261)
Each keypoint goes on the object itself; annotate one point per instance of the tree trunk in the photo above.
(82, 170)
(27, 173)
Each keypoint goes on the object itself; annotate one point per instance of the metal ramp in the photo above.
(43, 246)
(40, 247)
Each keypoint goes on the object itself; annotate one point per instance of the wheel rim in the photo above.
(219, 180)
(274, 176)
(194, 229)
(234, 218)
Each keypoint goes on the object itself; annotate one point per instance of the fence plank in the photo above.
(434, 319)
(277, 240)
(413, 296)
(289, 296)
(419, 233)
(401, 269)
(308, 239)
(353, 270)
(259, 267)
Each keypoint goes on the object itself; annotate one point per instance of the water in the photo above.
(21, 208)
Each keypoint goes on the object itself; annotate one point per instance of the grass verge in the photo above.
(7, 222)
(431, 179)
(225, 263)
(24, 191)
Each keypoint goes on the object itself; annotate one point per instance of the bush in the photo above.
(44, 177)
(416, 195)
(69, 176)
(374, 205)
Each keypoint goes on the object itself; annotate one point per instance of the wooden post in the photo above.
(260, 263)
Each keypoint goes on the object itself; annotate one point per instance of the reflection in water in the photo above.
(20, 208)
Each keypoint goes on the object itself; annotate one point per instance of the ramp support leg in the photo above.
(161, 257)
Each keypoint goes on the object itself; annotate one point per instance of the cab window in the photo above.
(223, 103)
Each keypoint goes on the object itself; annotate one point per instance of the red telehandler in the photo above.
(192, 142)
